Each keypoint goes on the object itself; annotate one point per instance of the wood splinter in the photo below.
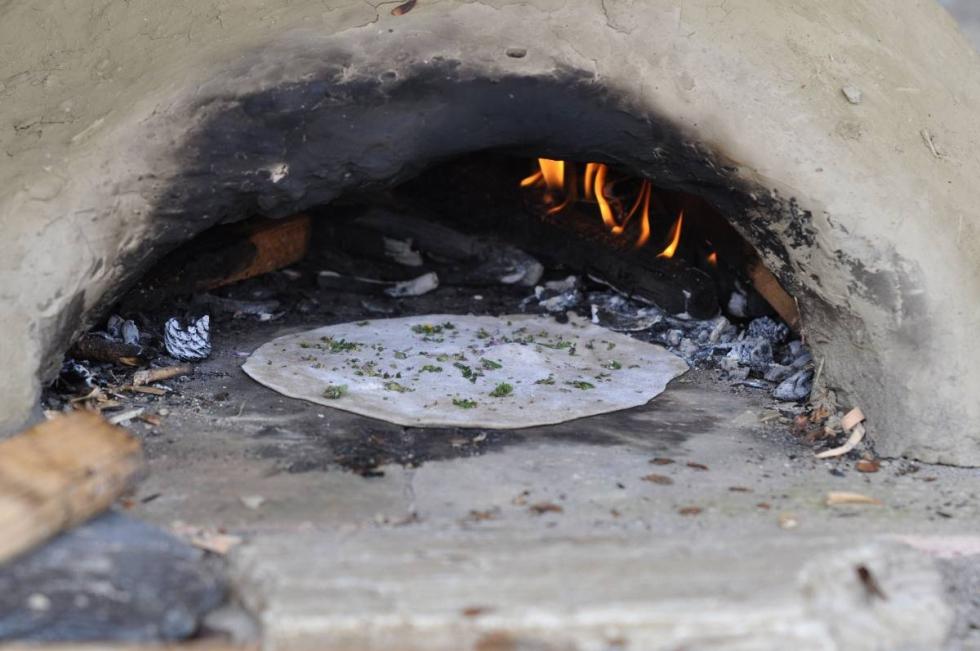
(149, 376)
(852, 421)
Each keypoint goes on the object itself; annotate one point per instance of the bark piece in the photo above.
(60, 473)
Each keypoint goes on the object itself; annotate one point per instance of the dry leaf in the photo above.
(663, 480)
(835, 498)
(868, 465)
(661, 461)
(545, 507)
(476, 611)
(690, 510)
(218, 543)
(869, 582)
(764, 506)
(404, 8)
(696, 466)
(480, 516)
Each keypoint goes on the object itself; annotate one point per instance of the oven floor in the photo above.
(374, 536)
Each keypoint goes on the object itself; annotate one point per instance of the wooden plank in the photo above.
(59, 474)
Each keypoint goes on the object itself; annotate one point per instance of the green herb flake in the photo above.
(613, 364)
(340, 345)
(581, 384)
(426, 329)
(482, 334)
(489, 364)
(464, 403)
(548, 380)
(399, 388)
(501, 390)
(429, 368)
(448, 325)
(334, 391)
(467, 372)
(401, 354)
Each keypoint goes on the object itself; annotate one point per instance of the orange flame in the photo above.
(561, 190)
(713, 258)
(675, 238)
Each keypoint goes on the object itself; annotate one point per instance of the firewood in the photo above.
(59, 474)
(97, 348)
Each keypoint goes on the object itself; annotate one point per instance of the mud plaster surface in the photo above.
(101, 101)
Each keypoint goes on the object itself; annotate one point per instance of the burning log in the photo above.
(582, 243)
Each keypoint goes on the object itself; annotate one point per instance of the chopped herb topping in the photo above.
(401, 354)
(464, 403)
(501, 390)
(446, 357)
(448, 325)
(363, 323)
(427, 329)
(429, 368)
(489, 364)
(394, 386)
(581, 384)
(334, 391)
(467, 372)
(339, 345)
(548, 380)
(482, 334)
(613, 364)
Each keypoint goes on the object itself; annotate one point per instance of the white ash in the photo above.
(191, 343)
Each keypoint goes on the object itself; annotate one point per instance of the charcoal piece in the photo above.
(114, 325)
(801, 361)
(795, 388)
(99, 347)
(768, 329)
(754, 353)
(75, 376)
(114, 579)
(618, 313)
(129, 333)
(190, 344)
(778, 373)
(791, 352)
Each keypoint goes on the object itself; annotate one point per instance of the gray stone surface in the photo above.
(111, 579)
(142, 122)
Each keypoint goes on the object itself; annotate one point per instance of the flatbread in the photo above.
(448, 370)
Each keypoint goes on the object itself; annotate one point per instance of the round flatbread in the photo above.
(466, 371)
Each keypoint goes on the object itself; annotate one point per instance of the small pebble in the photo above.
(853, 94)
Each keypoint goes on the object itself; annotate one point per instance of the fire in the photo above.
(675, 238)
(561, 190)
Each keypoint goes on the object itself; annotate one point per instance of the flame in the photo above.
(589, 180)
(713, 258)
(675, 238)
(561, 190)
(534, 179)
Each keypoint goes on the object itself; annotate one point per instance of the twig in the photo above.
(158, 374)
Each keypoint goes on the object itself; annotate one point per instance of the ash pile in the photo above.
(758, 353)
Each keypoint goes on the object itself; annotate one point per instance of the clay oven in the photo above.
(837, 141)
